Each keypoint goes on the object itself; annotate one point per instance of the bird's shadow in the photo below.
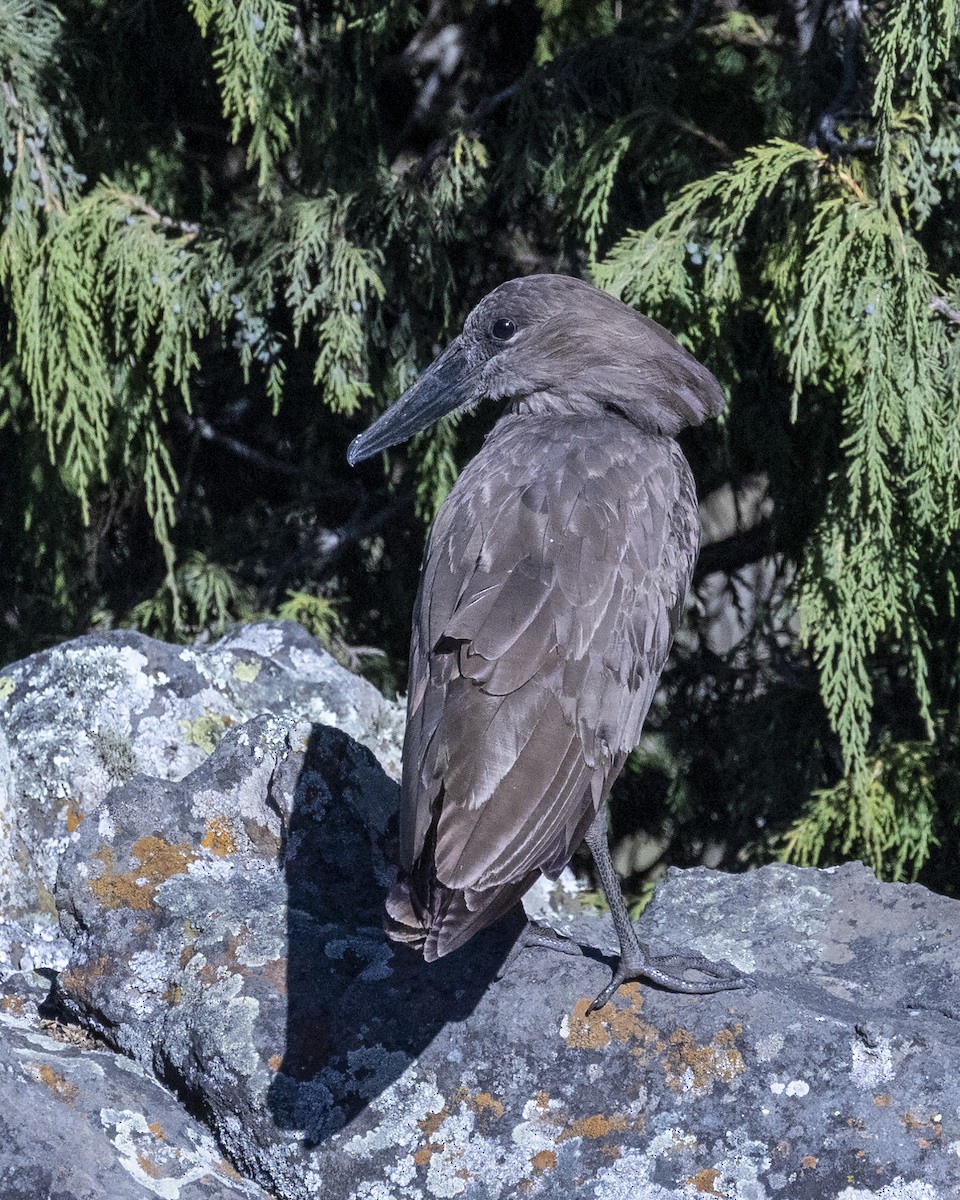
(359, 1010)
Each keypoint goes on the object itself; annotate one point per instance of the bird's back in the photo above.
(552, 587)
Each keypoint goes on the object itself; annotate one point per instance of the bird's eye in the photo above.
(503, 330)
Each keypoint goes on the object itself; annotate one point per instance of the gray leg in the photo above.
(636, 962)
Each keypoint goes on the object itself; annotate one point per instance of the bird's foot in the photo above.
(668, 971)
(535, 935)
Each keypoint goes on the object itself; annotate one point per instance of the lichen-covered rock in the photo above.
(78, 720)
(225, 933)
(81, 1124)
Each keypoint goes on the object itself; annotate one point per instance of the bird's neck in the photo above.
(552, 404)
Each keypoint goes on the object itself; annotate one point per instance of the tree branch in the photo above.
(943, 309)
(826, 132)
(736, 551)
(201, 428)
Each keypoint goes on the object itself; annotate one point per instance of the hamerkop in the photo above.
(552, 587)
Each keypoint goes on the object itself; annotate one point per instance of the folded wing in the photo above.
(550, 595)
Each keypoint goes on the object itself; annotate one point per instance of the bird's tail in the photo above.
(402, 920)
(452, 916)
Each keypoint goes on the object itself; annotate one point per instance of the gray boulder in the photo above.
(81, 1124)
(216, 846)
(225, 933)
(79, 719)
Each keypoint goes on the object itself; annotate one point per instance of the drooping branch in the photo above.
(826, 136)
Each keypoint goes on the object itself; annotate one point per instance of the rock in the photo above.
(78, 720)
(225, 932)
(79, 1124)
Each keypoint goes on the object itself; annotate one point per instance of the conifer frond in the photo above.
(846, 301)
(317, 614)
(251, 38)
(109, 308)
(693, 247)
(205, 597)
(327, 284)
(885, 818)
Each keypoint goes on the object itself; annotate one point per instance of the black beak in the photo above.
(439, 390)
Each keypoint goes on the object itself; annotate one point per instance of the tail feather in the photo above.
(452, 916)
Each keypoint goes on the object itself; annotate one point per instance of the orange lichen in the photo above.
(705, 1182)
(484, 1102)
(149, 1168)
(73, 817)
(929, 1131)
(687, 1065)
(275, 972)
(595, 1030)
(432, 1121)
(209, 974)
(62, 1088)
(275, 1062)
(594, 1127)
(218, 837)
(12, 1005)
(544, 1160)
(543, 1099)
(137, 888)
(809, 1161)
(77, 979)
(157, 1130)
(422, 1156)
(228, 1169)
(884, 1100)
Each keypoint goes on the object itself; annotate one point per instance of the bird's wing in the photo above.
(550, 595)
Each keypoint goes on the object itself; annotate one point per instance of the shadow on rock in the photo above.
(359, 1010)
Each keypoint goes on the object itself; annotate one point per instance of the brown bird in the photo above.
(552, 587)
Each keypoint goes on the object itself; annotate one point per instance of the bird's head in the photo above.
(553, 343)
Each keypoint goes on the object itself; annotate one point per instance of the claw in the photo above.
(723, 975)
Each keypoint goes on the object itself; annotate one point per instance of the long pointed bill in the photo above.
(439, 390)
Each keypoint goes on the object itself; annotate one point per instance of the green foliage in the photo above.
(205, 597)
(251, 61)
(326, 282)
(107, 311)
(886, 819)
(843, 288)
(233, 231)
(317, 614)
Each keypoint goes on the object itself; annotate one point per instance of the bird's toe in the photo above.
(669, 972)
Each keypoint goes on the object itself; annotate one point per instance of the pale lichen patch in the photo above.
(247, 671)
(206, 730)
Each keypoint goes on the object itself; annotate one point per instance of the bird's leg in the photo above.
(636, 962)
